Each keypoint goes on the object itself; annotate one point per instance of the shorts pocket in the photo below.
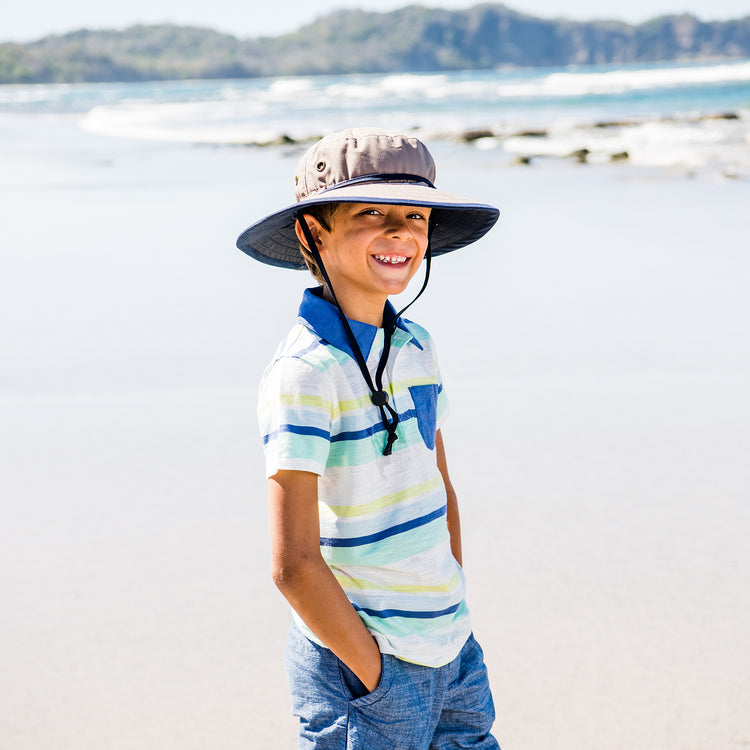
(354, 687)
(425, 404)
(395, 715)
(367, 699)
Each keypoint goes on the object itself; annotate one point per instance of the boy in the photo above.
(365, 533)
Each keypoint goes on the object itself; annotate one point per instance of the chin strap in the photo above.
(378, 395)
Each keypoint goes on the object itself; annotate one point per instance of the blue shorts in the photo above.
(413, 707)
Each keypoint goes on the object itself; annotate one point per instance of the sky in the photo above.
(32, 19)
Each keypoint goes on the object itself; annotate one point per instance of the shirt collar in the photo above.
(324, 318)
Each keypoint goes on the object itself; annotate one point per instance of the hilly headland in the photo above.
(410, 39)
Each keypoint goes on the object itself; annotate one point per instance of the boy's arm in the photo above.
(454, 521)
(302, 576)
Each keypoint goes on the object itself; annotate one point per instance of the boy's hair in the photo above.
(324, 213)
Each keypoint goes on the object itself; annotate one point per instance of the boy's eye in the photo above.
(379, 212)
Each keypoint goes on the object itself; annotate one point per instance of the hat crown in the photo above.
(359, 152)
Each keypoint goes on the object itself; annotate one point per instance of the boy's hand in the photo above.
(307, 583)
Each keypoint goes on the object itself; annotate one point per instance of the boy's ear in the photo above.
(315, 229)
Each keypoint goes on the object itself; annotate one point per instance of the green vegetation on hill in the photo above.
(413, 38)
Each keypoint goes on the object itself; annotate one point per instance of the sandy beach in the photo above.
(595, 352)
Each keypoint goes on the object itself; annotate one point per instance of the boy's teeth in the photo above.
(391, 258)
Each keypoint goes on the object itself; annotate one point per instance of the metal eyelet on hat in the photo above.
(320, 166)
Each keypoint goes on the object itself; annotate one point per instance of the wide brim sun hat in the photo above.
(367, 165)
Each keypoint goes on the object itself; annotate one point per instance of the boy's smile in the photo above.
(393, 260)
(371, 252)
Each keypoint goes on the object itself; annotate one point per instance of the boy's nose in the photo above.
(397, 226)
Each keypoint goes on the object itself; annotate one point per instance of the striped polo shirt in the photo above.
(383, 529)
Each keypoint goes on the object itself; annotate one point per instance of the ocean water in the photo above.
(693, 115)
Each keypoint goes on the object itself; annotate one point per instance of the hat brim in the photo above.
(457, 221)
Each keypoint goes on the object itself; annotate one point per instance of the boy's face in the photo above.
(371, 252)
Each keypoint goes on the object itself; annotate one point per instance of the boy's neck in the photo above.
(368, 311)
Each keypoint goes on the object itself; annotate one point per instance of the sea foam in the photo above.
(684, 115)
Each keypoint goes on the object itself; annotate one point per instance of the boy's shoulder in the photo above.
(304, 346)
(421, 339)
(418, 332)
(298, 370)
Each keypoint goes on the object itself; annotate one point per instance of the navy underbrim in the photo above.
(273, 240)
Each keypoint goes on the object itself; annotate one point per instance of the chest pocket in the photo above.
(425, 404)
